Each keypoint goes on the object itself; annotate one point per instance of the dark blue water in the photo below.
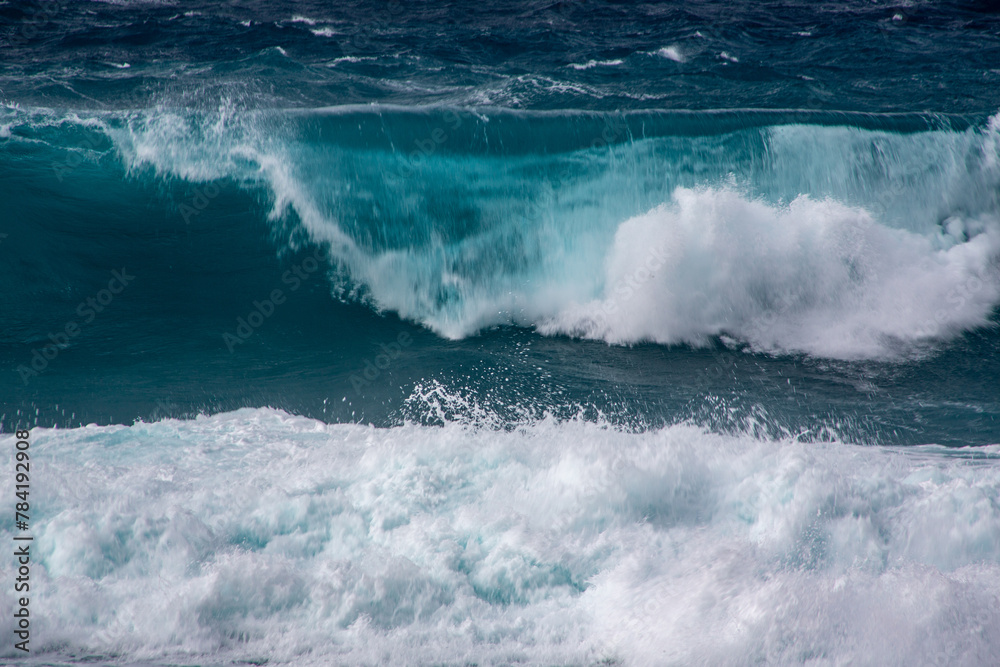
(772, 222)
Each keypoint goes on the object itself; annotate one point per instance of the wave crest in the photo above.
(816, 277)
(833, 240)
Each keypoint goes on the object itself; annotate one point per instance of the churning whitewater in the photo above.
(256, 535)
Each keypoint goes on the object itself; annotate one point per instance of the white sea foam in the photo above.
(323, 32)
(349, 59)
(255, 536)
(590, 64)
(672, 53)
(815, 276)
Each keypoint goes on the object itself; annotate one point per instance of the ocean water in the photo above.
(503, 333)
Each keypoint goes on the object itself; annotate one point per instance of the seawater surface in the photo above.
(522, 332)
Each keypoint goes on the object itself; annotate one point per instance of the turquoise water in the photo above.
(543, 333)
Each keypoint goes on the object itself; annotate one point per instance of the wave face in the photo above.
(839, 241)
(884, 240)
(557, 543)
(858, 239)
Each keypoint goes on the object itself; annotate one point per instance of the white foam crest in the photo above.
(814, 276)
(226, 143)
(324, 32)
(671, 53)
(256, 535)
(590, 64)
(349, 59)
